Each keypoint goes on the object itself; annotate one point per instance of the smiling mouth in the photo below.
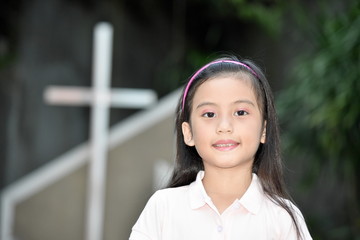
(225, 146)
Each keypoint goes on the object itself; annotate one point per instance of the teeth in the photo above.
(225, 145)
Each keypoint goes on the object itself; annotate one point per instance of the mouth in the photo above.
(225, 145)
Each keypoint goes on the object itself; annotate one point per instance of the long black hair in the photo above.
(267, 163)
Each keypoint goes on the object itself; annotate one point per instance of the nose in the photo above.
(225, 125)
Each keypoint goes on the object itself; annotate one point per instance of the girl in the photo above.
(228, 181)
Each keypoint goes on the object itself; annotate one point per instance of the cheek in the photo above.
(202, 132)
(198, 131)
(251, 131)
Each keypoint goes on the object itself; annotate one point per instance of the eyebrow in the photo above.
(205, 104)
(245, 101)
(236, 102)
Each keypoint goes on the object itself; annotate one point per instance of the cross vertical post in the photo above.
(100, 98)
(98, 133)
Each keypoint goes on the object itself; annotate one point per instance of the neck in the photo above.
(227, 182)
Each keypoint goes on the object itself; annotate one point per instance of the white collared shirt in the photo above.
(187, 213)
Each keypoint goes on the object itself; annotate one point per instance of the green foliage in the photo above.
(267, 14)
(325, 98)
(321, 109)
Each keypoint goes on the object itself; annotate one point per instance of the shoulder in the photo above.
(279, 212)
(169, 195)
(157, 211)
(282, 219)
(171, 192)
(275, 207)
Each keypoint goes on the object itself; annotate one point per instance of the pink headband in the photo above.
(206, 66)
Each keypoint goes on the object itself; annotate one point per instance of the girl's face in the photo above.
(226, 125)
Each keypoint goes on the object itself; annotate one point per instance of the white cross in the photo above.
(101, 98)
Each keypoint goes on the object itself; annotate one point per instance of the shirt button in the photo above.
(219, 228)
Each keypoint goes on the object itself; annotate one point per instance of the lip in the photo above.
(225, 145)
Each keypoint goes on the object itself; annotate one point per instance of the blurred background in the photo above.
(310, 51)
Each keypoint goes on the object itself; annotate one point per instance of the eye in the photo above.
(209, 115)
(241, 113)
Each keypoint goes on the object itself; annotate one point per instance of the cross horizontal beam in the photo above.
(116, 97)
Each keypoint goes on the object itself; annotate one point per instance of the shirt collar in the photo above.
(253, 197)
(251, 200)
(197, 193)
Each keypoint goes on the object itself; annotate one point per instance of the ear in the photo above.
(186, 130)
(263, 135)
